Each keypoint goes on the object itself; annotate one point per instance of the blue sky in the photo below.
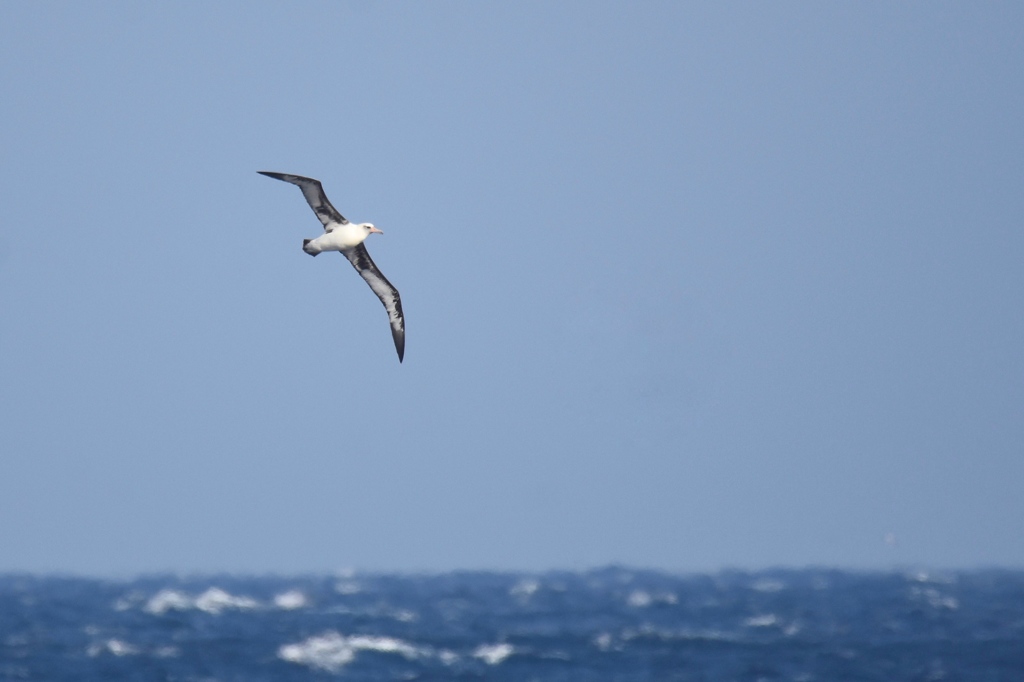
(687, 286)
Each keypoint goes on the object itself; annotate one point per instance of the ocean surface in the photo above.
(608, 624)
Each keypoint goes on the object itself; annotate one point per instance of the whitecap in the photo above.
(333, 651)
(167, 600)
(639, 599)
(387, 645)
(121, 648)
(330, 652)
(524, 589)
(215, 600)
(493, 654)
(292, 599)
(116, 647)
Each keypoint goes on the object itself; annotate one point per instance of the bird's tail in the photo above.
(312, 251)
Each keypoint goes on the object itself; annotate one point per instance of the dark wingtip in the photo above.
(399, 344)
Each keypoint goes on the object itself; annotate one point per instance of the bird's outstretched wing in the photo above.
(387, 294)
(314, 193)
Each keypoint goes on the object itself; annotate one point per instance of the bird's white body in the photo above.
(341, 238)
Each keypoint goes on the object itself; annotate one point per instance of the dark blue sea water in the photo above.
(609, 624)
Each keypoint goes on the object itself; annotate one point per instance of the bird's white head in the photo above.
(370, 229)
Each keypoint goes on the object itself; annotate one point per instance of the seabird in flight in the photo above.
(341, 235)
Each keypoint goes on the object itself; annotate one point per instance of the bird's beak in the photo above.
(374, 229)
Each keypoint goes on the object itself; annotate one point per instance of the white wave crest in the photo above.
(116, 647)
(333, 651)
(167, 600)
(330, 652)
(639, 599)
(524, 589)
(642, 599)
(292, 599)
(493, 654)
(119, 648)
(213, 600)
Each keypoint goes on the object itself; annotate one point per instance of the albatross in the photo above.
(342, 235)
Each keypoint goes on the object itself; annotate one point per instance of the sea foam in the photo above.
(332, 651)
(214, 600)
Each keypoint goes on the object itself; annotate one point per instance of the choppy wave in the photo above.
(292, 599)
(332, 651)
(642, 598)
(213, 600)
(493, 654)
(609, 624)
(120, 647)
